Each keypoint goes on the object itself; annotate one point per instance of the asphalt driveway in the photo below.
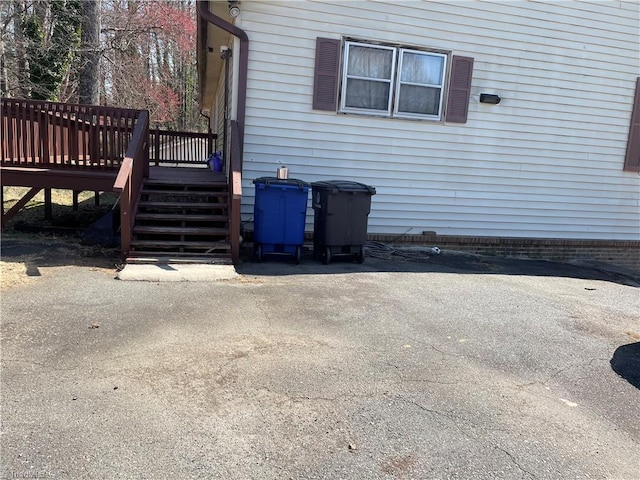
(467, 368)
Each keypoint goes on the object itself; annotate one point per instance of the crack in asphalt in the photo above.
(513, 460)
(560, 371)
(44, 366)
(401, 376)
(426, 381)
(452, 419)
(423, 343)
(322, 399)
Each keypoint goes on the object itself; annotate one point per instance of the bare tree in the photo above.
(150, 59)
(89, 70)
(129, 53)
(14, 73)
(50, 33)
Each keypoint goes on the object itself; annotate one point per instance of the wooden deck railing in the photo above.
(235, 191)
(180, 147)
(135, 167)
(50, 134)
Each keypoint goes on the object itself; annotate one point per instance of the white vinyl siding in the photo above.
(217, 115)
(546, 162)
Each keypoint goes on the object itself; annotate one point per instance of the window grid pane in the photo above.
(421, 69)
(419, 100)
(366, 62)
(368, 77)
(367, 94)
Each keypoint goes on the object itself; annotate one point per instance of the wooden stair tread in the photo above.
(147, 203)
(195, 217)
(178, 243)
(148, 253)
(185, 183)
(180, 257)
(180, 230)
(186, 193)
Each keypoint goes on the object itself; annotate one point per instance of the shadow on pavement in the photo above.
(446, 262)
(50, 251)
(626, 363)
(47, 251)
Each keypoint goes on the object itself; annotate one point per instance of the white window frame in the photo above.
(346, 77)
(399, 83)
(395, 83)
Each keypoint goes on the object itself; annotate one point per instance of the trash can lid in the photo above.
(336, 186)
(293, 182)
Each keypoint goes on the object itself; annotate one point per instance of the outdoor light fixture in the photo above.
(234, 8)
(490, 98)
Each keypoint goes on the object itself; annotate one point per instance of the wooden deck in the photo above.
(69, 179)
(45, 145)
(75, 179)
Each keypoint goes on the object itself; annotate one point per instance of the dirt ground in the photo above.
(26, 258)
(13, 274)
(31, 244)
(62, 201)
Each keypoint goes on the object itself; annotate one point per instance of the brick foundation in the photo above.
(622, 253)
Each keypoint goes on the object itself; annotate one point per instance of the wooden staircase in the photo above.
(182, 221)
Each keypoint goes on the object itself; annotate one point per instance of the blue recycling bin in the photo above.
(279, 217)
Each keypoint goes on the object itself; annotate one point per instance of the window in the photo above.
(368, 78)
(392, 81)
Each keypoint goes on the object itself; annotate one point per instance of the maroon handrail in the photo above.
(181, 147)
(235, 192)
(134, 168)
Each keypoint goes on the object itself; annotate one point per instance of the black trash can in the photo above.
(341, 210)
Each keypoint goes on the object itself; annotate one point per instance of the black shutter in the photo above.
(632, 159)
(325, 82)
(459, 89)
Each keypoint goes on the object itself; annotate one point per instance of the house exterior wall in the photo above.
(217, 115)
(547, 162)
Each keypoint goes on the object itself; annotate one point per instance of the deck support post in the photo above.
(96, 199)
(48, 207)
(156, 145)
(76, 193)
